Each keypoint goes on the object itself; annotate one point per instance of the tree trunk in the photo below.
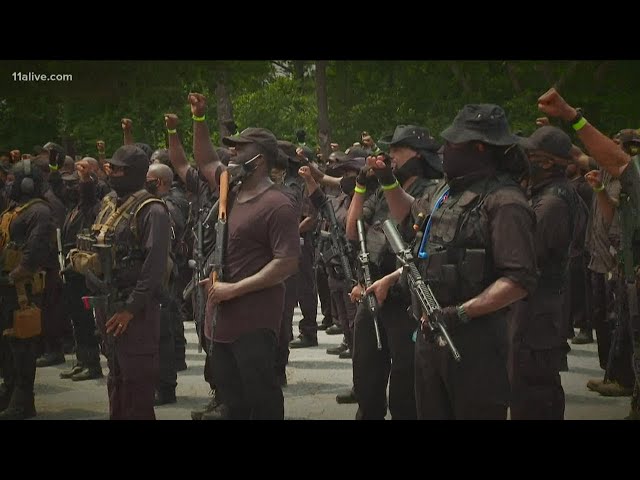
(298, 69)
(324, 138)
(513, 76)
(567, 73)
(225, 108)
(460, 76)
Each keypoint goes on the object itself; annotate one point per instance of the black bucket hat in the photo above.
(484, 122)
(412, 136)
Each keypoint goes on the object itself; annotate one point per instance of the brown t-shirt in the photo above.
(264, 228)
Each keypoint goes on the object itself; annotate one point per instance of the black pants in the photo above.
(55, 321)
(307, 291)
(168, 376)
(345, 310)
(286, 326)
(536, 389)
(323, 291)
(244, 374)
(373, 369)
(477, 387)
(84, 327)
(579, 293)
(18, 355)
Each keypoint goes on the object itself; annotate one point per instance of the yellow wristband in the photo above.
(579, 124)
(197, 119)
(360, 190)
(53, 168)
(599, 189)
(172, 131)
(386, 188)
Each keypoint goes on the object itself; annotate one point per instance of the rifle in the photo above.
(217, 264)
(60, 254)
(339, 241)
(618, 329)
(197, 264)
(422, 291)
(372, 302)
(105, 303)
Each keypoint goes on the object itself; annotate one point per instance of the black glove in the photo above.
(449, 317)
(361, 179)
(385, 175)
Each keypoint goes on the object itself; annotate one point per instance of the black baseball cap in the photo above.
(261, 136)
(550, 140)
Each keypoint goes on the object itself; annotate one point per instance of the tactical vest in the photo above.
(118, 228)
(10, 252)
(460, 261)
(555, 274)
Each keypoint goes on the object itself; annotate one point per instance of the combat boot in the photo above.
(21, 406)
(213, 403)
(334, 330)
(51, 358)
(614, 389)
(220, 412)
(349, 397)
(303, 341)
(5, 396)
(594, 384)
(164, 397)
(584, 336)
(88, 373)
(77, 368)
(343, 347)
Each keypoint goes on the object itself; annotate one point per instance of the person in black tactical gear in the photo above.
(478, 257)
(159, 181)
(55, 326)
(284, 173)
(79, 221)
(203, 197)
(414, 166)
(620, 164)
(538, 325)
(27, 239)
(130, 242)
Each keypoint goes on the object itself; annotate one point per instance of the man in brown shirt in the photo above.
(263, 247)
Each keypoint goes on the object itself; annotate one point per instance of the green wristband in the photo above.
(197, 119)
(599, 189)
(170, 132)
(579, 124)
(386, 188)
(359, 189)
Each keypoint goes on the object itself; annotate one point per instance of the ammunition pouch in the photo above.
(81, 261)
(456, 274)
(27, 319)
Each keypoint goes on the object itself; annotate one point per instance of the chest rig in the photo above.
(459, 264)
(115, 228)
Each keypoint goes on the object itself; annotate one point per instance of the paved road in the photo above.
(314, 379)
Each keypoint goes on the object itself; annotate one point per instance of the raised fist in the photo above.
(594, 178)
(126, 123)
(553, 105)
(198, 104)
(100, 146)
(171, 121)
(305, 172)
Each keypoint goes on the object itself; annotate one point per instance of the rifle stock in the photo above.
(339, 241)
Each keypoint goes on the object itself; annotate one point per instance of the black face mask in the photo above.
(459, 162)
(348, 185)
(412, 168)
(152, 186)
(241, 170)
(124, 185)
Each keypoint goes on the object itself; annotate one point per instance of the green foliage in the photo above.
(362, 95)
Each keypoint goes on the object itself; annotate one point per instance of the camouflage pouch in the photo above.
(81, 261)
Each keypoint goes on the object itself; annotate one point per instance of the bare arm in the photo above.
(605, 151)
(273, 273)
(127, 132)
(499, 294)
(206, 157)
(355, 211)
(308, 224)
(177, 157)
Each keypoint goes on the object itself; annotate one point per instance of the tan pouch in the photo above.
(11, 259)
(27, 320)
(82, 261)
